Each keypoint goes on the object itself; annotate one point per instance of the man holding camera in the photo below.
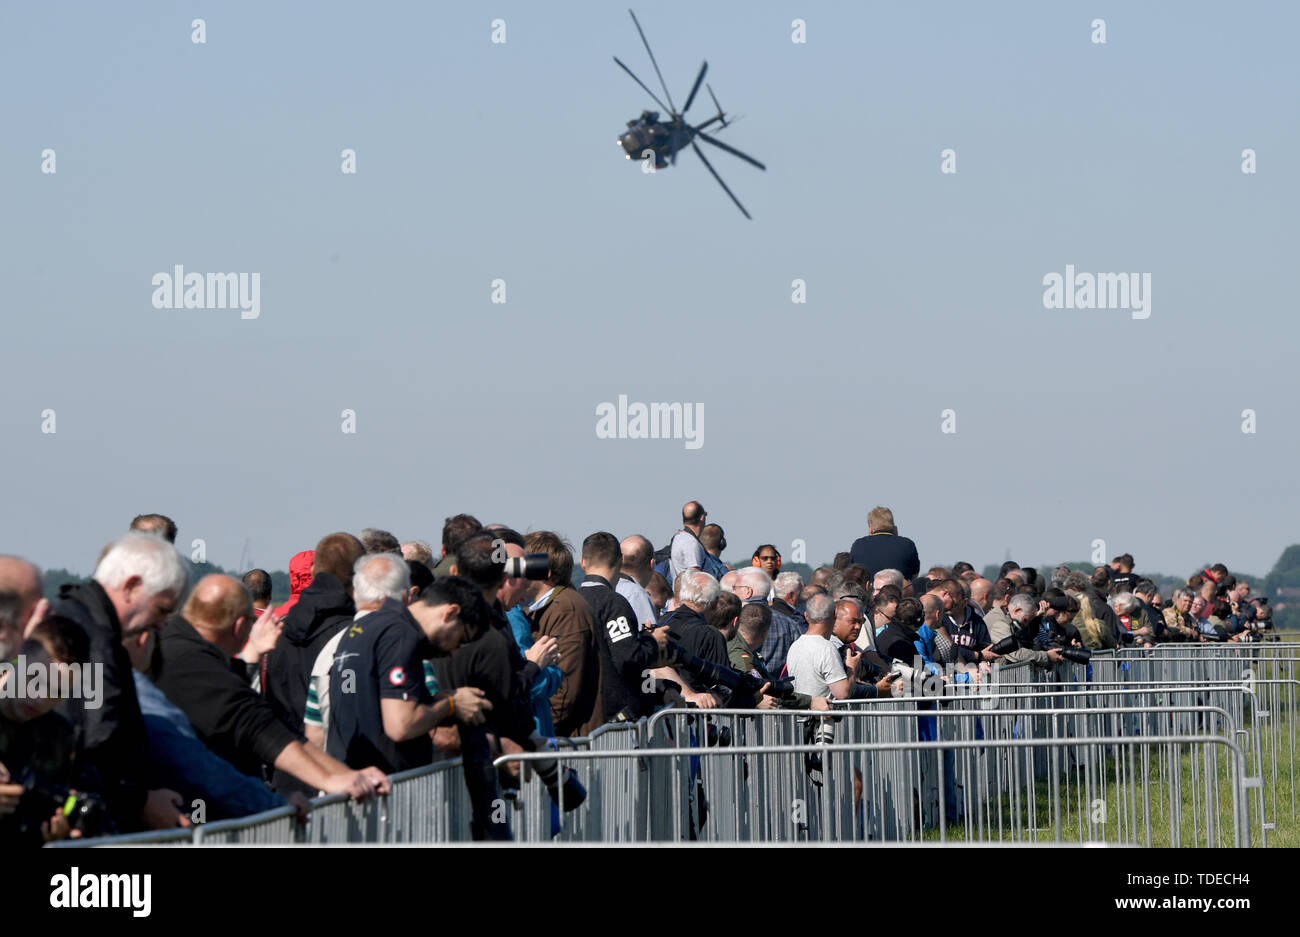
(627, 654)
(1020, 623)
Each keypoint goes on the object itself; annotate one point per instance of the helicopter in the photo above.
(649, 136)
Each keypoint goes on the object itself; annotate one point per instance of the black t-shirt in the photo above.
(383, 654)
(494, 664)
(1123, 582)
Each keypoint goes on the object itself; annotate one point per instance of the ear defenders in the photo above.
(778, 560)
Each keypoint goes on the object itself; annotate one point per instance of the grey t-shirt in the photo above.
(814, 664)
(687, 553)
(639, 599)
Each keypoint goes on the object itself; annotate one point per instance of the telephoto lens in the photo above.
(1077, 655)
(1006, 645)
(534, 566)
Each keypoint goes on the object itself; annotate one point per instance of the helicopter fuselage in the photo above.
(648, 134)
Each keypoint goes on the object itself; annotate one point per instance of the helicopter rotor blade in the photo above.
(673, 148)
(730, 149)
(662, 106)
(663, 84)
(709, 88)
(709, 167)
(699, 78)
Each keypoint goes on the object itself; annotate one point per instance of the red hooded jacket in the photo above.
(299, 578)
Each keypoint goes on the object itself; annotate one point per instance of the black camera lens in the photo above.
(534, 566)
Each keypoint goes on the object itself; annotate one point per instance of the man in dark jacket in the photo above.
(136, 585)
(627, 654)
(323, 609)
(198, 671)
(492, 663)
(386, 717)
(966, 628)
(689, 626)
(882, 548)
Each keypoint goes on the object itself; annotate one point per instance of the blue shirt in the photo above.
(183, 763)
(548, 679)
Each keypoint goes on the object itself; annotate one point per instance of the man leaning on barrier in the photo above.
(199, 672)
(381, 709)
(1013, 632)
(137, 582)
(493, 663)
(626, 653)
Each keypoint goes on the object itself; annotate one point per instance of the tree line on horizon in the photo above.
(1281, 585)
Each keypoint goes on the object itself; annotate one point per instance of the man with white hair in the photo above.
(375, 578)
(136, 585)
(1128, 609)
(1020, 619)
(753, 585)
(689, 626)
(787, 623)
(419, 551)
(888, 577)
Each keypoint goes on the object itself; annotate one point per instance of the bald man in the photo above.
(686, 551)
(200, 674)
(980, 590)
(23, 581)
(634, 575)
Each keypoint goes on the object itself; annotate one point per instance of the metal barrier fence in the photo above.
(1176, 745)
(821, 816)
(981, 795)
(176, 837)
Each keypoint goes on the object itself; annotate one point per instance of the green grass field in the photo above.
(1173, 797)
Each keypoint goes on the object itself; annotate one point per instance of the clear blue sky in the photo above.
(478, 161)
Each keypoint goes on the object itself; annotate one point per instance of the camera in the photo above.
(1006, 645)
(715, 675)
(534, 566)
(86, 812)
(900, 669)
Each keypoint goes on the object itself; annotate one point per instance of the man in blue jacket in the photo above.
(882, 548)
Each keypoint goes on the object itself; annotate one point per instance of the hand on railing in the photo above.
(298, 801)
(162, 811)
(378, 779)
(359, 785)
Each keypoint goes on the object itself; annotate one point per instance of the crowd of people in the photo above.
(210, 702)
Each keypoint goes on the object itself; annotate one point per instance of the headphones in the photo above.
(774, 550)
